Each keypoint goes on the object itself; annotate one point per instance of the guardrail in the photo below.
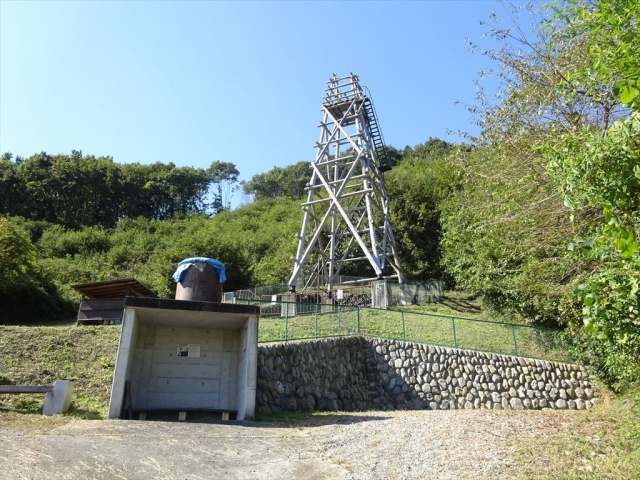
(277, 324)
(57, 396)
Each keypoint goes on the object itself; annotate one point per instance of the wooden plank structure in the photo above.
(103, 302)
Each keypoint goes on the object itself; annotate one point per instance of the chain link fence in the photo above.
(378, 294)
(288, 321)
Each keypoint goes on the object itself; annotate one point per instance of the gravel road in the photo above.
(473, 444)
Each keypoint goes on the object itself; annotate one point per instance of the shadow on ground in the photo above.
(461, 305)
(310, 419)
(277, 420)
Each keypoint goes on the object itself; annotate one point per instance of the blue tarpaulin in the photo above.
(186, 263)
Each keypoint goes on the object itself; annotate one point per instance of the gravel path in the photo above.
(372, 445)
(474, 444)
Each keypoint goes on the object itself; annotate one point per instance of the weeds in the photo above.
(601, 444)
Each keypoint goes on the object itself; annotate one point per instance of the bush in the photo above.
(59, 242)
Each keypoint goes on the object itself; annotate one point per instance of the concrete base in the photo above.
(59, 400)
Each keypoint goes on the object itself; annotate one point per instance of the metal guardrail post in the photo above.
(316, 315)
(404, 327)
(455, 335)
(338, 320)
(515, 341)
(286, 323)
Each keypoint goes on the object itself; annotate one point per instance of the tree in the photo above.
(26, 294)
(416, 187)
(12, 187)
(600, 169)
(17, 253)
(163, 191)
(554, 173)
(223, 180)
(86, 190)
(506, 229)
(288, 182)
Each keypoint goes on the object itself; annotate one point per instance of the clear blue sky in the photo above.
(242, 82)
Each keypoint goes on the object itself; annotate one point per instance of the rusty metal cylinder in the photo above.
(200, 282)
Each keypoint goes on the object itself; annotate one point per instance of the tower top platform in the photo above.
(341, 92)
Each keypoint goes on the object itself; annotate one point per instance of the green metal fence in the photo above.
(287, 321)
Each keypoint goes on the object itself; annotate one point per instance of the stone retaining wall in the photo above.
(359, 373)
(314, 375)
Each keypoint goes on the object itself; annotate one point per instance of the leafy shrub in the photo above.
(56, 241)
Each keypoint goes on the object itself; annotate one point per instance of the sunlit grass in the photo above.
(434, 329)
(603, 443)
(39, 355)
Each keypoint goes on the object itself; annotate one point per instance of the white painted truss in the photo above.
(346, 215)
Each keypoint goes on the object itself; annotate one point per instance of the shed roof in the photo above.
(114, 289)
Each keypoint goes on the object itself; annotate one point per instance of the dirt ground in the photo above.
(85, 449)
(369, 445)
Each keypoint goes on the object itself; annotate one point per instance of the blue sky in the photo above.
(242, 82)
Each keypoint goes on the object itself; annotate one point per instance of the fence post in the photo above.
(316, 317)
(338, 320)
(358, 319)
(286, 323)
(404, 328)
(455, 336)
(515, 341)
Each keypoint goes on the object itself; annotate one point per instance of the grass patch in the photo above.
(418, 323)
(603, 443)
(284, 417)
(454, 303)
(39, 355)
(30, 423)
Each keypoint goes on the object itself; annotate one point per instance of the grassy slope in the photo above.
(456, 303)
(602, 443)
(430, 323)
(40, 355)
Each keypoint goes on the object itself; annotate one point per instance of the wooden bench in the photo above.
(57, 396)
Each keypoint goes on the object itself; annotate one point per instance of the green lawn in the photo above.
(435, 329)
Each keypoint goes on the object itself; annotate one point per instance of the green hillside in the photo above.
(39, 355)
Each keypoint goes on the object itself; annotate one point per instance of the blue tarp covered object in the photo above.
(186, 263)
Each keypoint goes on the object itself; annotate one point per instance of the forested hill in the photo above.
(539, 214)
(76, 190)
(72, 219)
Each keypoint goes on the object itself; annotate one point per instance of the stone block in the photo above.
(59, 400)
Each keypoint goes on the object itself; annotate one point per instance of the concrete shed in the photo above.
(186, 356)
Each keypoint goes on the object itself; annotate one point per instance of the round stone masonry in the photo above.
(360, 373)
